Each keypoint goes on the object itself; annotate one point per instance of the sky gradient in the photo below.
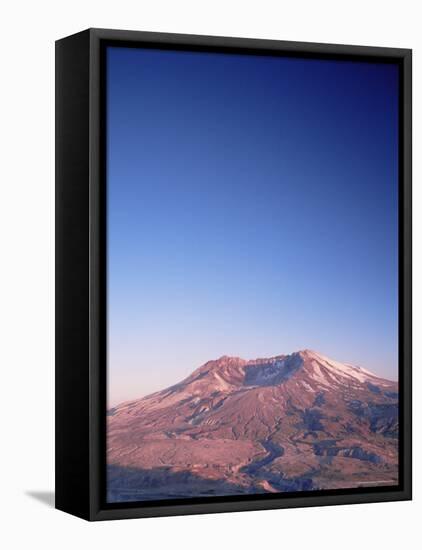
(252, 211)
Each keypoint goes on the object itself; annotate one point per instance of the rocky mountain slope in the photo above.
(288, 423)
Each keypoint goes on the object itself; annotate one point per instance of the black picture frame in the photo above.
(81, 274)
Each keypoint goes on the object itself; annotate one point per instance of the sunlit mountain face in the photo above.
(297, 422)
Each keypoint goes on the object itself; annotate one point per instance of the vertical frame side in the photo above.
(406, 269)
(97, 273)
(72, 257)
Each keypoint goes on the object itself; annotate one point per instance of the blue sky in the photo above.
(252, 211)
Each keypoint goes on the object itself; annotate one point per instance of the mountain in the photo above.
(287, 423)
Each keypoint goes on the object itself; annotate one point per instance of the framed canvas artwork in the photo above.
(233, 322)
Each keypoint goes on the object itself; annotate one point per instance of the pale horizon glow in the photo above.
(252, 212)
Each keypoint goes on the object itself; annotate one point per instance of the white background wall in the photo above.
(28, 31)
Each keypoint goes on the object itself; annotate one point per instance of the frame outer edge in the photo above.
(94, 272)
(407, 268)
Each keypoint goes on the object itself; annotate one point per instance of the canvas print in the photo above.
(252, 274)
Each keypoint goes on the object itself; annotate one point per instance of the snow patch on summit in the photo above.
(336, 371)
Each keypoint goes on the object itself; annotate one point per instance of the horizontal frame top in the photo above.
(318, 49)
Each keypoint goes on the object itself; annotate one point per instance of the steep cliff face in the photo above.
(287, 423)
